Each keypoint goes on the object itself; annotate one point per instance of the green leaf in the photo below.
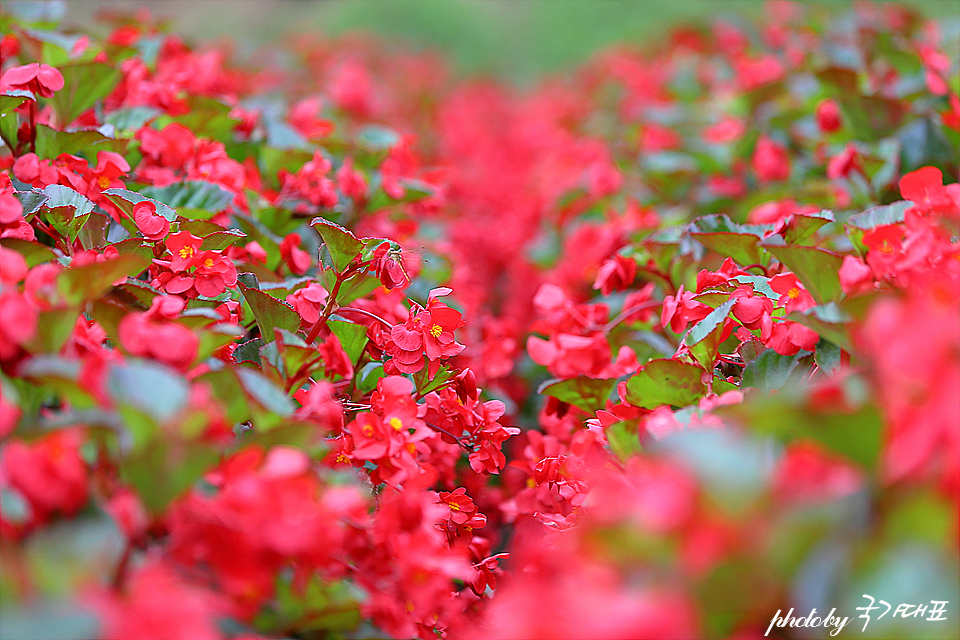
(270, 313)
(856, 434)
(51, 143)
(803, 227)
(266, 394)
(341, 243)
(377, 138)
(727, 238)
(191, 194)
(881, 216)
(152, 389)
(67, 210)
(83, 85)
(353, 288)
(708, 325)
(8, 118)
(249, 351)
(922, 143)
(827, 356)
(162, 471)
(665, 382)
(31, 201)
(205, 115)
(760, 284)
(219, 240)
(126, 199)
(53, 329)
(33, 252)
(590, 394)
(131, 119)
(352, 336)
(829, 321)
(816, 268)
(624, 439)
(425, 385)
(88, 282)
(770, 371)
(48, 620)
(368, 376)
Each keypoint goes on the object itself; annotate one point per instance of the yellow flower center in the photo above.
(342, 459)
(367, 430)
(409, 606)
(208, 263)
(104, 182)
(885, 247)
(793, 293)
(454, 506)
(396, 423)
(436, 330)
(186, 252)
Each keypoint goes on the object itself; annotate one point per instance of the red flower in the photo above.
(40, 79)
(828, 116)
(682, 309)
(49, 472)
(787, 338)
(215, 272)
(351, 181)
(158, 604)
(925, 188)
(152, 334)
(152, 225)
(845, 162)
(771, 161)
(296, 259)
(615, 274)
(184, 247)
(793, 296)
(308, 302)
(387, 264)
(751, 310)
(18, 323)
(427, 331)
(855, 276)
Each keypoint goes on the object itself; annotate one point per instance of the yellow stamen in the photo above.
(208, 263)
(436, 330)
(396, 423)
(367, 430)
(186, 252)
(454, 506)
(793, 293)
(104, 182)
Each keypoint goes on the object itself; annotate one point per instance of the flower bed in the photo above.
(362, 348)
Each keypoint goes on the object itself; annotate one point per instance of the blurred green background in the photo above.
(517, 39)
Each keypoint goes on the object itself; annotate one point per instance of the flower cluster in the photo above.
(633, 354)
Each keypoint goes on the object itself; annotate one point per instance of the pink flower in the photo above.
(152, 225)
(40, 79)
(771, 161)
(828, 116)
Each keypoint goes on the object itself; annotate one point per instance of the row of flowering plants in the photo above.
(354, 347)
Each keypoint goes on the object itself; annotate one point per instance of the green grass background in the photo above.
(517, 39)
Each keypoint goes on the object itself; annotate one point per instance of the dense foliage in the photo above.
(350, 346)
